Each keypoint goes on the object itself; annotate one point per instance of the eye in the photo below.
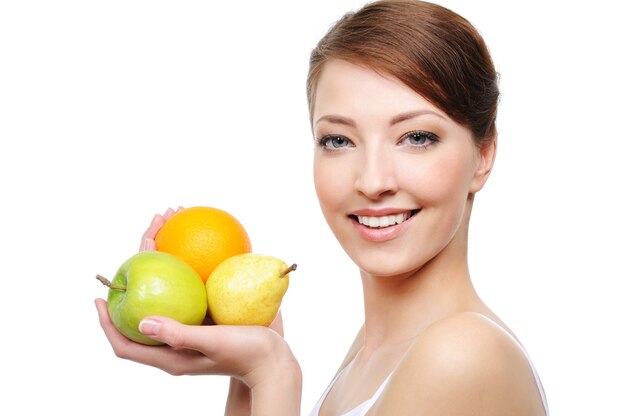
(331, 142)
(419, 138)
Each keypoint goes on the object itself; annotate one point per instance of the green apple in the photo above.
(154, 283)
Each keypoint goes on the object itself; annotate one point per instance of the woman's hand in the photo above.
(257, 356)
(239, 351)
(147, 239)
(266, 378)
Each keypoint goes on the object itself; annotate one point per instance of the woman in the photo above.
(403, 98)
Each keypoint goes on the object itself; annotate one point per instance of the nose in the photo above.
(376, 177)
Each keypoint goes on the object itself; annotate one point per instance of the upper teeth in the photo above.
(384, 221)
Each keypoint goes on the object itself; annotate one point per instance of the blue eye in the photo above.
(334, 142)
(419, 138)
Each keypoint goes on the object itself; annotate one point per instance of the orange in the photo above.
(203, 237)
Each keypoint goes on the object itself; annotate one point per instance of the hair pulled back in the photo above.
(432, 50)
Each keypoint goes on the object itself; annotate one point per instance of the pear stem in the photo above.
(108, 283)
(288, 269)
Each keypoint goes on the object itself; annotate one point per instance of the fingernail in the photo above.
(149, 327)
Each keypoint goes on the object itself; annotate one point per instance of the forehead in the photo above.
(344, 87)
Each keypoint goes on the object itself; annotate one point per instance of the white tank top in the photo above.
(363, 408)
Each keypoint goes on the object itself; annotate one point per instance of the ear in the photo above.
(486, 158)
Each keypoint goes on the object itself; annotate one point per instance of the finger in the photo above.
(168, 214)
(150, 355)
(224, 347)
(177, 335)
(153, 229)
(204, 348)
(229, 350)
(176, 362)
(122, 346)
(103, 314)
(157, 222)
(148, 244)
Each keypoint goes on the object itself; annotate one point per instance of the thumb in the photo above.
(175, 334)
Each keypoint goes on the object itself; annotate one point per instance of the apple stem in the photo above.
(108, 283)
(288, 269)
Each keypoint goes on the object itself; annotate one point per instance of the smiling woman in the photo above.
(403, 100)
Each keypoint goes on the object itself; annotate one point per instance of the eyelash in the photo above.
(324, 141)
(432, 138)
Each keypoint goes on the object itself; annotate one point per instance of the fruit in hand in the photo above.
(154, 283)
(203, 237)
(247, 289)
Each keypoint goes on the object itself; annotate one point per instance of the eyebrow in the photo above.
(335, 119)
(413, 114)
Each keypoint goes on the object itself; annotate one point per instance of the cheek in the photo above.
(445, 179)
(329, 184)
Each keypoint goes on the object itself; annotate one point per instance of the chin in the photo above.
(385, 265)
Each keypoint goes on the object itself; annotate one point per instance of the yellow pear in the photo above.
(247, 289)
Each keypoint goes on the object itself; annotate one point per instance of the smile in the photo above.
(384, 221)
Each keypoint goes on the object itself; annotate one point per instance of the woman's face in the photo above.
(392, 172)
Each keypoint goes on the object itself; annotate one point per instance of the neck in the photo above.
(397, 308)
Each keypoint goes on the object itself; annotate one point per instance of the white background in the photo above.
(113, 111)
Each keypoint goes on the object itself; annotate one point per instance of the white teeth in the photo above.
(383, 221)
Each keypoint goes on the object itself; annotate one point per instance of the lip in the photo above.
(379, 235)
(379, 212)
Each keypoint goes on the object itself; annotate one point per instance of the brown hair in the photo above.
(431, 49)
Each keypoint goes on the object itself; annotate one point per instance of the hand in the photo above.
(147, 239)
(256, 356)
(258, 359)
(218, 349)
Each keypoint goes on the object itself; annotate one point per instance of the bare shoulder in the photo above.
(463, 364)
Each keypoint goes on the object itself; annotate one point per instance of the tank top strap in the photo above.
(318, 405)
(363, 408)
(360, 409)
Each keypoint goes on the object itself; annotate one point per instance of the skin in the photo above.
(446, 351)
(424, 322)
